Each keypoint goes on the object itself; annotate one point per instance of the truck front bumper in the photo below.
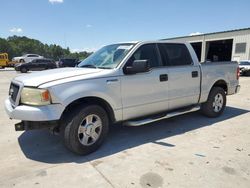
(34, 113)
(32, 125)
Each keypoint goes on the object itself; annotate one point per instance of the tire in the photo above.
(215, 104)
(21, 61)
(84, 129)
(23, 70)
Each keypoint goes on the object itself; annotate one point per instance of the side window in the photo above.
(146, 52)
(175, 54)
(32, 56)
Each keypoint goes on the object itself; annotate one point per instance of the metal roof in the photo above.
(234, 30)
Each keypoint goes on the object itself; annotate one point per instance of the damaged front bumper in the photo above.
(33, 125)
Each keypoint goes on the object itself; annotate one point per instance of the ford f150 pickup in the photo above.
(133, 83)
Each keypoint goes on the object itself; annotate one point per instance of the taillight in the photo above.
(238, 73)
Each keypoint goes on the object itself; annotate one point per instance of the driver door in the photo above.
(145, 93)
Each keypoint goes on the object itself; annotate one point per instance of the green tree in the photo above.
(17, 46)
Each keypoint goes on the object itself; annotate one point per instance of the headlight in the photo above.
(34, 96)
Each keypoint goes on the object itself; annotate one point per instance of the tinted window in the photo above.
(175, 54)
(146, 52)
(69, 61)
(41, 61)
(32, 55)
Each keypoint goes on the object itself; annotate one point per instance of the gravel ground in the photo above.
(186, 151)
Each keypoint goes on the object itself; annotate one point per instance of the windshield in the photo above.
(107, 57)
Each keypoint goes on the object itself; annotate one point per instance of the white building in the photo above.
(231, 45)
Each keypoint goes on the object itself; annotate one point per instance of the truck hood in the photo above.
(38, 78)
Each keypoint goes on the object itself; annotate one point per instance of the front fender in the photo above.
(66, 93)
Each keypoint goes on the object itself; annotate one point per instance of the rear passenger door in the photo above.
(44, 64)
(184, 76)
(39, 64)
(33, 65)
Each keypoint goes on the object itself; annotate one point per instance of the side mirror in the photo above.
(138, 66)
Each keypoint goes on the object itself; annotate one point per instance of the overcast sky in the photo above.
(89, 24)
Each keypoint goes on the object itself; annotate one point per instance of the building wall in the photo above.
(239, 36)
(241, 39)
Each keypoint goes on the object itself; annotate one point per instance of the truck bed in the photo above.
(211, 71)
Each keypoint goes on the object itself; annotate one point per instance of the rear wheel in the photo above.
(85, 128)
(215, 104)
(23, 70)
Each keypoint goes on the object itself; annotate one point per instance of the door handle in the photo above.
(163, 77)
(111, 81)
(195, 74)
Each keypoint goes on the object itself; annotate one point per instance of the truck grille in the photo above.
(13, 92)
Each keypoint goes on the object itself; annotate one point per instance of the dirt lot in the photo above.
(185, 151)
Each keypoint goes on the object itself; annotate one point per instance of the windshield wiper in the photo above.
(88, 66)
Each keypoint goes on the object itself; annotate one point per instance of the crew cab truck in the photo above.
(132, 83)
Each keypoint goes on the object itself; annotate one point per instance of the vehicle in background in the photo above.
(36, 65)
(68, 62)
(27, 58)
(5, 62)
(245, 67)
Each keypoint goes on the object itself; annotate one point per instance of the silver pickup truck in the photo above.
(132, 83)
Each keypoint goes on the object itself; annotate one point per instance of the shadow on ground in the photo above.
(44, 147)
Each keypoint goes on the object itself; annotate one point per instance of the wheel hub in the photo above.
(89, 130)
(218, 102)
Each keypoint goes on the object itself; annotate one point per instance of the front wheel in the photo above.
(215, 104)
(85, 128)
